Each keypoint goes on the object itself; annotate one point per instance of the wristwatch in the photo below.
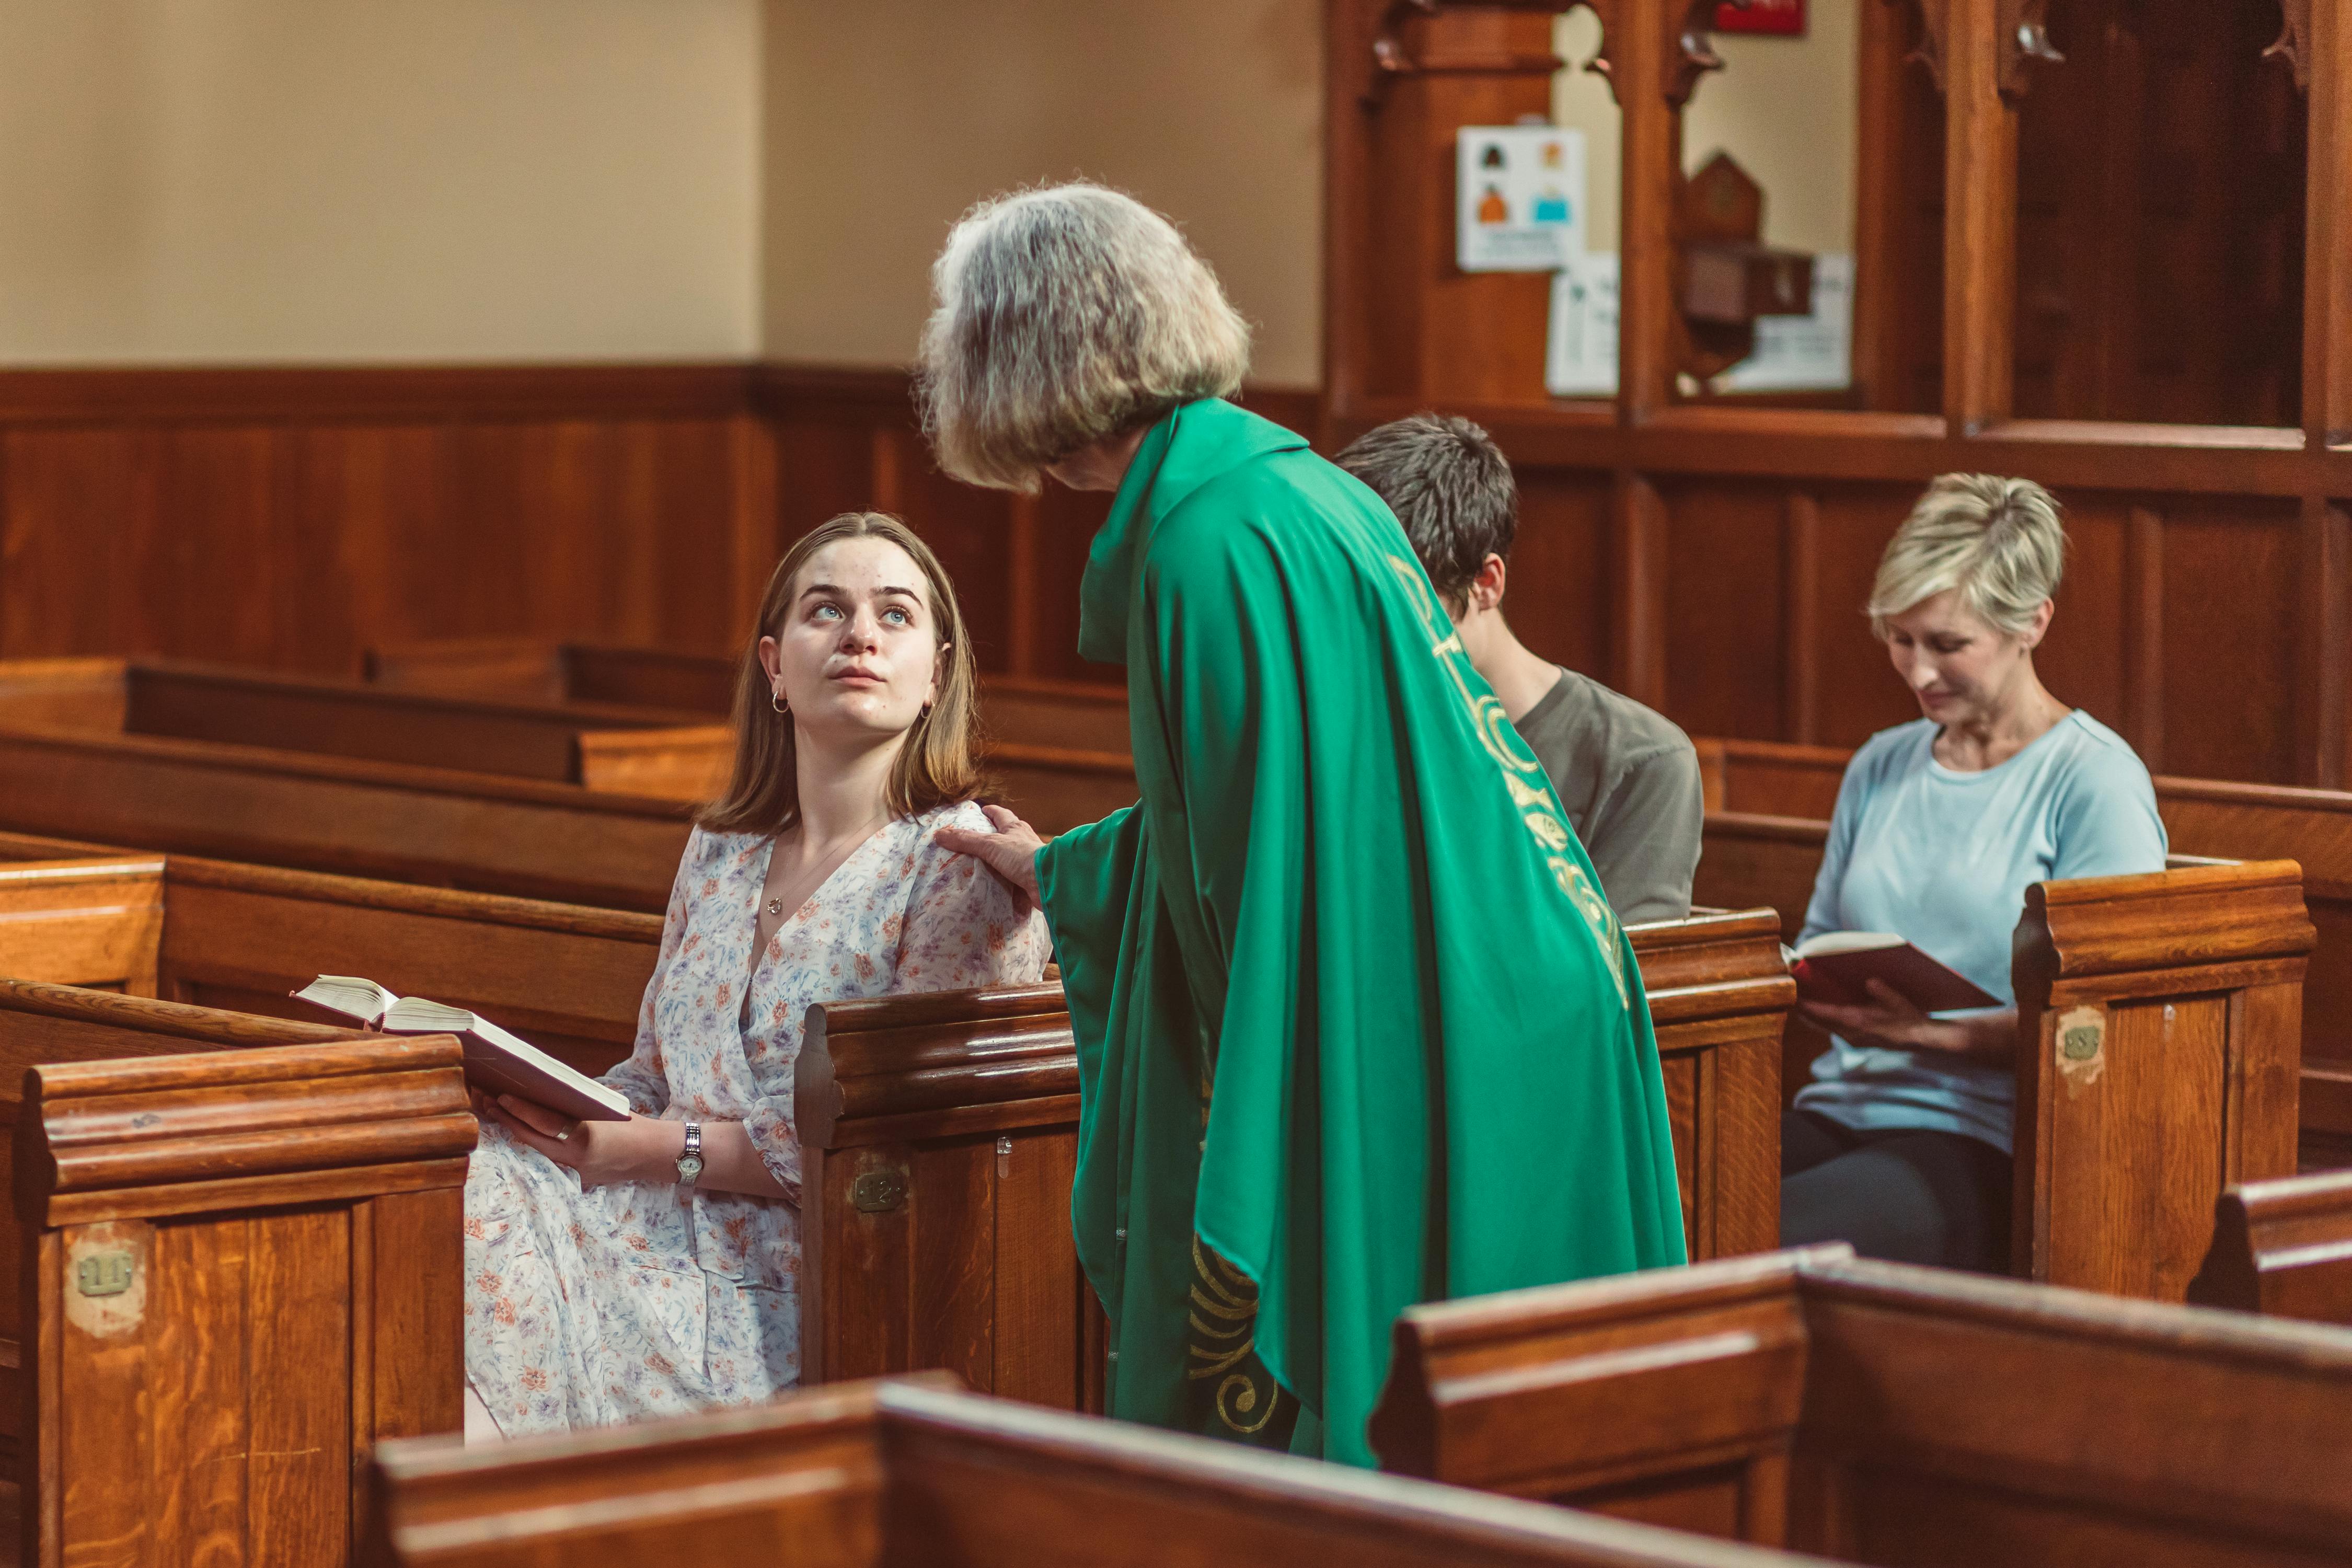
(689, 1159)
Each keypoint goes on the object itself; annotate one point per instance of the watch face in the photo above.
(689, 1167)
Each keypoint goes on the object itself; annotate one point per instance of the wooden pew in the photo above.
(238, 1264)
(597, 745)
(908, 1475)
(2282, 1248)
(387, 820)
(571, 980)
(1087, 716)
(1057, 749)
(1878, 1412)
(939, 1138)
(2188, 985)
(2205, 817)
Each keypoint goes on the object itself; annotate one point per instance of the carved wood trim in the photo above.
(1935, 18)
(1392, 58)
(1689, 55)
(2025, 40)
(2294, 43)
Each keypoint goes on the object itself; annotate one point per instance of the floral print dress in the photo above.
(616, 1303)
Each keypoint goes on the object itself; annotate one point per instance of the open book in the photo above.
(495, 1061)
(1837, 965)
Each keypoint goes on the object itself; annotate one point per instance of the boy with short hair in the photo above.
(1627, 775)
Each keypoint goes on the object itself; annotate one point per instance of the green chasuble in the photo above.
(1355, 1026)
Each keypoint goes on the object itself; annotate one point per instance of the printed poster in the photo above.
(1519, 196)
(1580, 360)
(1803, 354)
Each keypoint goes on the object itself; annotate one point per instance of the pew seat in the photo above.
(236, 1263)
(1751, 862)
(220, 934)
(2282, 1247)
(939, 1139)
(601, 746)
(917, 1475)
(1883, 1414)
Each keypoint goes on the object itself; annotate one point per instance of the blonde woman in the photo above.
(1356, 1026)
(623, 1270)
(1900, 1144)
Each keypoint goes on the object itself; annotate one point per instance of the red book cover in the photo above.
(1784, 19)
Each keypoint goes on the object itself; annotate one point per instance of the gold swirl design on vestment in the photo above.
(1224, 1323)
(1539, 811)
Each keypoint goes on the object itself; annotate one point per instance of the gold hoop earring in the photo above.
(776, 700)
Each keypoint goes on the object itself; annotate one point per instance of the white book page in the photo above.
(350, 994)
(1846, 941)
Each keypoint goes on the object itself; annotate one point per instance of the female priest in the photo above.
(617, 1270)
(1356, 1027)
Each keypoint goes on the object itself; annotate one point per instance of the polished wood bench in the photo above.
(1088, 716)
(940, 1139)
(569, 979)
(598, 745)
(236, 1263)
(387, 820)
(2182, 993)
(1883, 1414)
(1750, 780)
(2282, 1247)
(908, 1475)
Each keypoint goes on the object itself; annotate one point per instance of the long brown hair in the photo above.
(938, 763)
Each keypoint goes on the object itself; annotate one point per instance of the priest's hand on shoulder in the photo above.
(642, 1148)
(1011, 851)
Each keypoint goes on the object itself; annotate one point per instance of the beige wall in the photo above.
(355, 180)
(887, 118)
(1784, 108)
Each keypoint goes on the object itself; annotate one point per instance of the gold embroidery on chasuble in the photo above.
(1222, 1352)
(1511, 755)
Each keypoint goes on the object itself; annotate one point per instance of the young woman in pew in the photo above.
(1901, 1144)
(623, 1270)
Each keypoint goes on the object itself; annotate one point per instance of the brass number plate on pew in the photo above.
(105, 1273)
(877, 1192)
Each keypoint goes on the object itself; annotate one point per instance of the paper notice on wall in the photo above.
(1519, 197)
(1580, 360)
(1803, 354)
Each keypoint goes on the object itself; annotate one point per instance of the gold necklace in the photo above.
(776, 906)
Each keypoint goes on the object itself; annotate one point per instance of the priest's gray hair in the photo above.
(1063, 316)
(1998, 541)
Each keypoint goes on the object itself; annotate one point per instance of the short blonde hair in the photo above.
(1998, 542)
(1063, 316)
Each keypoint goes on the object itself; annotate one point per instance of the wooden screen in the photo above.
(1712, 558)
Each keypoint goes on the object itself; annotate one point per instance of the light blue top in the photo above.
(1943, 858)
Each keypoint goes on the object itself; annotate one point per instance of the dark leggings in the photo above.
(1902, 1193)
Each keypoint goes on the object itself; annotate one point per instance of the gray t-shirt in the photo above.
(1629, 779)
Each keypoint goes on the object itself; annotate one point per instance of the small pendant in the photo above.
(776, 906)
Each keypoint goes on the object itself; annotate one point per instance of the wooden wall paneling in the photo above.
(1800, 620)
(1640, 583)
(2230, 595)
(1858, 693)
(1642, 37)
(1980, 218)
(1560, 597)
(2325, 68)
(1437, 332)
(1724, 573)
(2142, 713)
(2084, 660)
(2324, 645)
(1066, 521)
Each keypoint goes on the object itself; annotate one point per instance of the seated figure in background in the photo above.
(1900, 1144)
(609, 1279)
(1627, 776)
